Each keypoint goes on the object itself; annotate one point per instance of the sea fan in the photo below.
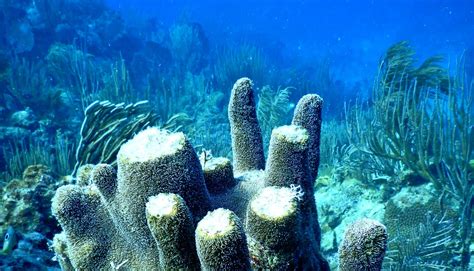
(428, 247)
(107, 126)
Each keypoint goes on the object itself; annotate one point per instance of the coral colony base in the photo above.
(164, 209)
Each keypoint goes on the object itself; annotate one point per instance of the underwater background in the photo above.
(78, 79)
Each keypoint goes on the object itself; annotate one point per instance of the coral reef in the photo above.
(189, 46)
(405, 155)
(30, 253)
(84, 173)
(26, 201)
(160, 181)
(339, 205)
(421, 118)
(430, 245)
(426, 226)
(364, 246)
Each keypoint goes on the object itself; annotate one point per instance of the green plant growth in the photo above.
(117, 85)
(428, 128)
(59, 156)
(64, 149)
(273, 109)
(235, 62)
(75, 71)
(317, 77)
(106, 127)
(200, 106)
(188, 46)
(20, 155)
(172, 95)
(208, 123)
(399, 67)
(4, 67)
(28, 85)
(422, 247)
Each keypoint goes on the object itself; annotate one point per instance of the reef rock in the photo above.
(339, 205)
(24, 118)
(26, 202)
(30, 253)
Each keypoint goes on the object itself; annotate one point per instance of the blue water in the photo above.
(353, 34)
(173, 64)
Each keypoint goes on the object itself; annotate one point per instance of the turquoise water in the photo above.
(79, 79)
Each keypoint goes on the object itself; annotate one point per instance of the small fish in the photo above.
(9, 241)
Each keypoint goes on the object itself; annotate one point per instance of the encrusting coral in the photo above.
(160, 211)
